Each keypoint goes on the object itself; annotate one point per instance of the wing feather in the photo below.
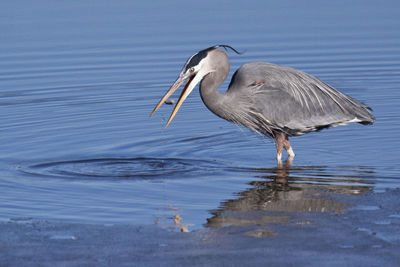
(277, 98)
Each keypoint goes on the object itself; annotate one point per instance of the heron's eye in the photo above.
(191, 70)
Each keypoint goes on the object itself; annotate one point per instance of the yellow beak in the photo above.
(183, 96)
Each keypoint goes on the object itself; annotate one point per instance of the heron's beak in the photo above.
(170, 91)
(185, 92)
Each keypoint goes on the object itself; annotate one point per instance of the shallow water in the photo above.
(78, 81)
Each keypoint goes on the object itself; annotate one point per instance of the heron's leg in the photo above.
(282, 142)
(288, 147)
(279, 142)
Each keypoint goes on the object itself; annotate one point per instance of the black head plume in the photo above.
(226, 48)
(196, 58)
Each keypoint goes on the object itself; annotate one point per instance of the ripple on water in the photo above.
(136, 168)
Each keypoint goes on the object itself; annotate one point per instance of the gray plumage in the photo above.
(270, 99)
(281, 99)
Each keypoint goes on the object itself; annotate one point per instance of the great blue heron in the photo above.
(273, 100)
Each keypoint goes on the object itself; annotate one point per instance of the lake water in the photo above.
(78, 80)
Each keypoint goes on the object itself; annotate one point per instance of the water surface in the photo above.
(79, 79)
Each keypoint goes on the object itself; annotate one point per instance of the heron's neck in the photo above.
(215, 101)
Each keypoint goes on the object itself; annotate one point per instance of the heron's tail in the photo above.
(364, 114)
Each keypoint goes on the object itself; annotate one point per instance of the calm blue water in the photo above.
(78, 80)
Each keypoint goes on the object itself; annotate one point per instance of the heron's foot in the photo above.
(290, 153)
(282, 142)
(288, 162)
(279, 158)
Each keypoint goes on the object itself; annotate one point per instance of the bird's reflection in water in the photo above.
(285, 191)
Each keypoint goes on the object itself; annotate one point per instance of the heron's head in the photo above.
(194, 70)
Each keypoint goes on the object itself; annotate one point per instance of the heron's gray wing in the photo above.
(293, 101)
